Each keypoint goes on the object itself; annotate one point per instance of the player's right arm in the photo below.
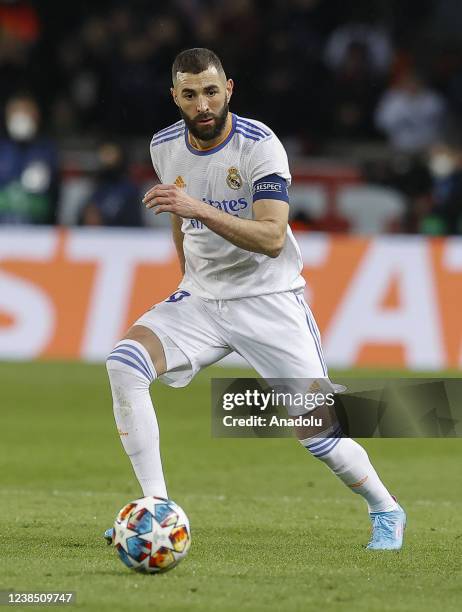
(178, 237)
(176, 221)
(264, 234)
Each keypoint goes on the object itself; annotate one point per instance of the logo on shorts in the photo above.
(179, 182)
(234, 179)
(315, 386)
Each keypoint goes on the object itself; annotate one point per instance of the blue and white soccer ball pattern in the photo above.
(152, 534)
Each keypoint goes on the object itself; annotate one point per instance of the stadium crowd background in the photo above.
(365, 94)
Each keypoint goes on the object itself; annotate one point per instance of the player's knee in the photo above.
(336, 452)
(130, 361)
(150, 343)
(323, 445)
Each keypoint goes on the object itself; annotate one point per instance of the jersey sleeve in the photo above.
(268, 157)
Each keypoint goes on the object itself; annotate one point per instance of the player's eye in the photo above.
(212, 92)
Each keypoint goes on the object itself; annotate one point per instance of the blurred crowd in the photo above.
(317, 71)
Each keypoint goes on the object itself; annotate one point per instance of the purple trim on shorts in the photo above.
(314, 336)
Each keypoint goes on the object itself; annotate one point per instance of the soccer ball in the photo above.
(152, 534)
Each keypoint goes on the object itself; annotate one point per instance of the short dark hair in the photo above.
(195, 61)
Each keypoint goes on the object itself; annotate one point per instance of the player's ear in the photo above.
(175, 99)
(229, 89)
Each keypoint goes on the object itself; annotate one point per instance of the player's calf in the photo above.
(350, 462)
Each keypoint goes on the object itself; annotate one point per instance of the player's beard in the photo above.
(207, 132)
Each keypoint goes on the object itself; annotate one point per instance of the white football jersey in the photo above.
(224, 177)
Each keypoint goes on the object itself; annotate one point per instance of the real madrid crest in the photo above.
(234, 179)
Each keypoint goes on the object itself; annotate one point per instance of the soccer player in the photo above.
(224, 181)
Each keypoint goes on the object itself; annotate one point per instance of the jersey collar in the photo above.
(218, 147)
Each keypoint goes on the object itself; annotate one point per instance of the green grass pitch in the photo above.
(272, 528)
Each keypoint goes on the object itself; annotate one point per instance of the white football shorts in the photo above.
(275, 333)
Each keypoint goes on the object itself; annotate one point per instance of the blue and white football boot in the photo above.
(109, 535)
(387, 529)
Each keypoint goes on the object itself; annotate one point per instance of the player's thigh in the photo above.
(278, 336)
(152, 343)
(186, 334)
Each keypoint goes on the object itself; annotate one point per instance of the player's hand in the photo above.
(172, 199)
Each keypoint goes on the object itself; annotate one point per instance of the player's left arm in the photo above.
(266, 233)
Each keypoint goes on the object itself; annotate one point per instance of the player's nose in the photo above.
(202, 104)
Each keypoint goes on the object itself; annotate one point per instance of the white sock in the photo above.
(131, 371)
(350, 462)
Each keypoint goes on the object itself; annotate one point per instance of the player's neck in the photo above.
(204, 145)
